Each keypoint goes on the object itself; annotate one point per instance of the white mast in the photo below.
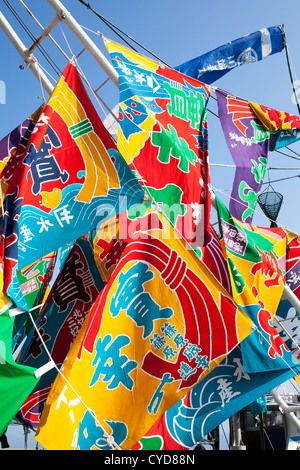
(27, 56)
(81, 35)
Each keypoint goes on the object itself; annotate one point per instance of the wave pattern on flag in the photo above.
(162, 134)
(70, 178)
(159, 326)
(224, 392)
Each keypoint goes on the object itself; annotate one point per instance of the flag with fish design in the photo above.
(224, 392)
(256, 46)
(67, 306)
(162, 134)
(248, 142)
(70, 178)
(256, 258)
(160, 325)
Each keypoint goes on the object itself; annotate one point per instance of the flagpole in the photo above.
(28, 58)
(289, 67)
(286, 409)
(81, 35)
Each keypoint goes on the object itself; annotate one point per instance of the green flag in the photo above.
(16, 381)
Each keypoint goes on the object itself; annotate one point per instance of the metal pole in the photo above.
(237, 442)
(285, 409)
(290, 70)
(81, 35)
(28, 58)
(46, 31)
(49, 35)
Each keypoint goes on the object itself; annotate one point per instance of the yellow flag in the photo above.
(160, 325)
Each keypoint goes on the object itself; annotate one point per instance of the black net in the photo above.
(270, 202)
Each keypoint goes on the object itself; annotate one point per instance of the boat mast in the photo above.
(25, 54)
(85, 40)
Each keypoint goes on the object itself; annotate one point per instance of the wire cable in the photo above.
(117, 31)
(33, 38)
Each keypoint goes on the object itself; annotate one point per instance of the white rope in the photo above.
(41, 85)
(46, 71)
(99, 100)
(110, 438)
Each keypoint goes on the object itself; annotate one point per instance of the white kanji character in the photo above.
(45, 224)
(62, 214)
(26, 232)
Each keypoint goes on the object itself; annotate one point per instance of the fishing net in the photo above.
(270, 202)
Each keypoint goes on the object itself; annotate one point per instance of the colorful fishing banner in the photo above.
(284, 127)
(288, 324)
(293, 263)
(213, 65)
(248, 142)
(110, 241)
(160, 325)
(12, 147)
(16, 141)
(256, 258)
(70, 178)
(108, 245)
(34, 279)
(224, 392)
(67, 306)
(212, 256)
(16, 381)
(162, 134)
(275, 120)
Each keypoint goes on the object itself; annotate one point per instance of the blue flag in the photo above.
(221, 394)
(213, 65)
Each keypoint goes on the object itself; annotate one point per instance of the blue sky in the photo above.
(176, 31)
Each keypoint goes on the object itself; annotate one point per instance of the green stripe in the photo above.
(80, 128)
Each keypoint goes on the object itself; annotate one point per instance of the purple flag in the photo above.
(16, 140)
(248, 142)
